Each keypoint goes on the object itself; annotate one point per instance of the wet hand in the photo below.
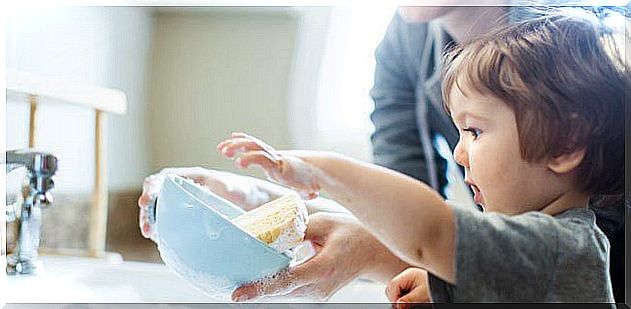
(408, 288)
(283, 167)
(344, 251)
(245, 192)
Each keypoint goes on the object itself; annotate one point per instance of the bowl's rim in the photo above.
(268, 249)
(186, 183)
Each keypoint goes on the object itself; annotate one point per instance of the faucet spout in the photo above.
(41, 167)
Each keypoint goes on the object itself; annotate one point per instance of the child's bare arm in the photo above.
(406, 215)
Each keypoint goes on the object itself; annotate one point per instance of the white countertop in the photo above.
(88, 280)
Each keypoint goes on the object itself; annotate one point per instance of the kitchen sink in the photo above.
(69, 279)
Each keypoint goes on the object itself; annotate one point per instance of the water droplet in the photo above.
(213, 230)
(214, 236)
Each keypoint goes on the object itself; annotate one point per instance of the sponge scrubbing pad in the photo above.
(281, 223)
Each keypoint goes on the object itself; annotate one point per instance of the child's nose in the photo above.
(460, 155)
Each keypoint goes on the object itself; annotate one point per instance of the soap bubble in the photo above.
(289, 289)
(213, 230)
(220, 289)
(214, 236)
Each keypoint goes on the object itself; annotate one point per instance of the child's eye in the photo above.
(474, 132)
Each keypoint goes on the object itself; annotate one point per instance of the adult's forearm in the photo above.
(388, 266)
(383, 265)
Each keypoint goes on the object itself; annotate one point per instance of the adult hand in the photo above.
(245, 192)
(345, 250)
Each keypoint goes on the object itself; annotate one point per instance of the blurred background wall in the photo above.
(297, 77)
(215, 71)
(104, 46)
(100, 46)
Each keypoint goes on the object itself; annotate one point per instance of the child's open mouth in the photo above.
(477, 195)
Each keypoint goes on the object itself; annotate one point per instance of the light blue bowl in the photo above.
(195, 235)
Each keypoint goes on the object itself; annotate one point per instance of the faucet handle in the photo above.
(41, 184)
(42, 200)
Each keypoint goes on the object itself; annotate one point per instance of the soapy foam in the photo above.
(297, 233)
(220, 289)
(287, 237)
(256, 197)
(252, 195)
(301, 253)
(263, 284)
(292, 292)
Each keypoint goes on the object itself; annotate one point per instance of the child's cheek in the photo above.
(488, 167)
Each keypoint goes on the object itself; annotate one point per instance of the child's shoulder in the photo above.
(570, 219)
(580, 236)
(573, 231)
(544, 252)
(574, 227)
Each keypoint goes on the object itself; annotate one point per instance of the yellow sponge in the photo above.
(280, 223)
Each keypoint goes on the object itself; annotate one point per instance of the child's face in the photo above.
(489, 151)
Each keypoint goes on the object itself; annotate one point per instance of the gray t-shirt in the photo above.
(531, 257)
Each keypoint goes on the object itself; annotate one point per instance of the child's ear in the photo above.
(567, 162)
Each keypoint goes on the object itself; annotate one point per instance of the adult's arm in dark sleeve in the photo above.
(396, 141)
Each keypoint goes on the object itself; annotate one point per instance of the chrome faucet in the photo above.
(40, 168)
